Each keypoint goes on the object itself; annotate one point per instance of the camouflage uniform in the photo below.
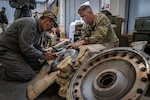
(100, 32)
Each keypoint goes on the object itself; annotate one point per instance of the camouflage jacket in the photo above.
(100, 32)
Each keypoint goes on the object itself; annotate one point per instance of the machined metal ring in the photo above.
(114, 74)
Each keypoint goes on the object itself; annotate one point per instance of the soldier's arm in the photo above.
(32, 4)
(13, 4)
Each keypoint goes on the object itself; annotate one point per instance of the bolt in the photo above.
(84, 70)
(80, 76)
(131, 57)
(139, 91)
(143, 69)
(76, 98)
(91, 64)
(144, 79)
(115, 54)
(98, 59)
(138, 62)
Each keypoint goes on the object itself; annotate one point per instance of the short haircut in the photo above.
(3, 8)
(83, 8)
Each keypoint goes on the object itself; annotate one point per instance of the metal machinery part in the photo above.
(70, 64)
(113, 74)
(70, 52)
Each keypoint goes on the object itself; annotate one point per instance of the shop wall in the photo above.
(137, 8)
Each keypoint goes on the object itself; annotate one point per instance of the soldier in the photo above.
(3, 19)
(97, 29)
(36, 15)
(20, 47)
(23, 7)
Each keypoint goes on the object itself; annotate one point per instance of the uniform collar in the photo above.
(94, 23)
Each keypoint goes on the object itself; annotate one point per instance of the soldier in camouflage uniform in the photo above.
(97, 29)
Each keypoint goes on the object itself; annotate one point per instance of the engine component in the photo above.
(114, 74)
(70, 64)
(70, 52)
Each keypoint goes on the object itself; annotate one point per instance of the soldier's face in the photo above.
(87, 17)
(3, 10)
(49, 25)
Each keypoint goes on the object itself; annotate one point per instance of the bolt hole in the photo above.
(115, 54)
(131, 57)
(106, 56)
(76, 83)
(140, 91)
(124, 54)
(84, 70)
(138, 62)
(75, 91)
(98, 59)
(76, 98)
(91, 64)
(80, 76)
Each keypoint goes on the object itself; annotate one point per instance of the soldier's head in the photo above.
(48, 21)
(86, 13)
(3, 9)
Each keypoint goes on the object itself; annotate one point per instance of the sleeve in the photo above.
(97, 35)
(85, 32)
(26, 41)
(13, 4)
(32, 4)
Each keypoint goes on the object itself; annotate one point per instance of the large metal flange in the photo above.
(114, 74)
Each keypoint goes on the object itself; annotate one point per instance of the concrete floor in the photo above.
(10, 90)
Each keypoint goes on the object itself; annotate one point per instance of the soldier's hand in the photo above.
(26, 5)
(68, 46)
(50, 56)
(79, 43)
(21, 6)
